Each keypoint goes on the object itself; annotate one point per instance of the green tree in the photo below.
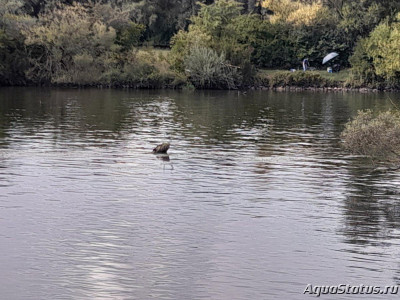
(378, 55)
(363, 69)
(66, 42)
(13, 62)
(384, 48)
(218, 27)
(163, 18)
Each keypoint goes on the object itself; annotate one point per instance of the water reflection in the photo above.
(255, 199)
(166, 161)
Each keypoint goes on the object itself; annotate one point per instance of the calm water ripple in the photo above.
(255, 200)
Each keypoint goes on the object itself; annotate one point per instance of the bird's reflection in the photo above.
(166, 161)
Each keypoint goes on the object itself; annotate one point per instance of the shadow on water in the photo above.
(371, 217)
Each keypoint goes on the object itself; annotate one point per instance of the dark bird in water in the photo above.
(162, 148)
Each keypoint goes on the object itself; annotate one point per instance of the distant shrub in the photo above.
(261, 79)
(374, 136)
(143, 69)
(130, 35)
(181, 44)
(207, 69)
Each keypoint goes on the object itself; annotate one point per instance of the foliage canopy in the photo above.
(63, 41)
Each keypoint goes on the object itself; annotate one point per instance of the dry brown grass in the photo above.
(376, 136)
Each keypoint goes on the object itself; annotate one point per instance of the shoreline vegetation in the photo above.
(266, 80)
(207, 44)
(376, 136)
(279, 80)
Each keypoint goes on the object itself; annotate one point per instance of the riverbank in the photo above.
(277, 80)
(316, 80)
(320, 89)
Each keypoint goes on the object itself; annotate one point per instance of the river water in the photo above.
(256, 199)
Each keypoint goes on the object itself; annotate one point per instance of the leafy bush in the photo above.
(374, 136)
(182, 42)
(261, 80)
(207, 69)
(141, 69)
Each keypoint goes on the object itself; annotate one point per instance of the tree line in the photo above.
(213, 44)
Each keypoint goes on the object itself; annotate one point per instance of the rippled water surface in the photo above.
(255, 200)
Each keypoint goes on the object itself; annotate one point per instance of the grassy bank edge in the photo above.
(280, 80)
(316, 80)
